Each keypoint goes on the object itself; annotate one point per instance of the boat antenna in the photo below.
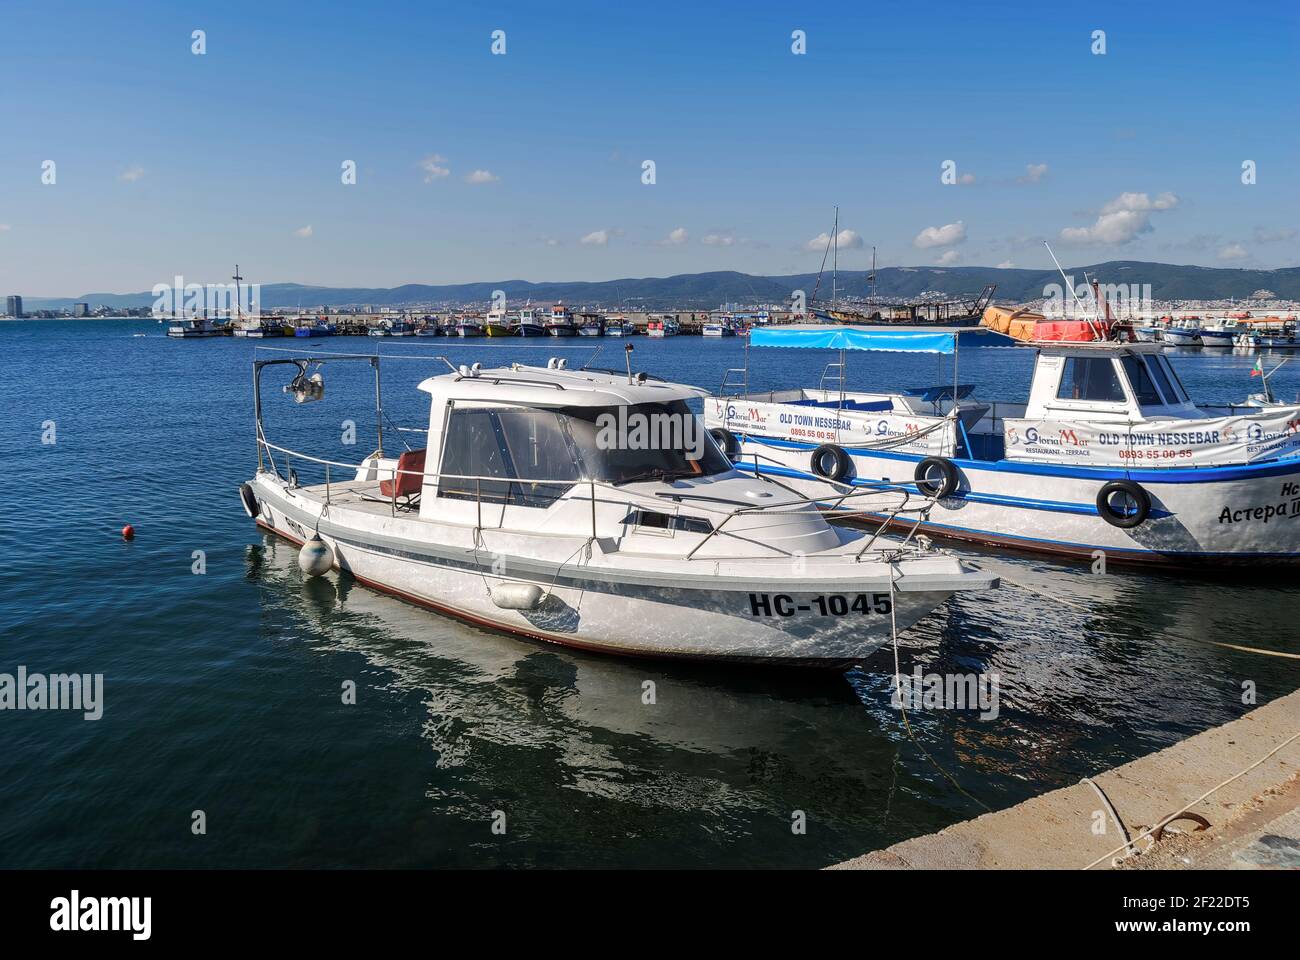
(1091, 325)
(1268, 391)
(873, 273)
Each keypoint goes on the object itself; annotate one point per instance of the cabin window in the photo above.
(645, 441)
(652, 521)
(1164, 364)
(1092, 379)
(1139, 378)
(1162, 381)
(506, 455)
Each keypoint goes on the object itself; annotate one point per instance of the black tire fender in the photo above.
(726, 441)
(831, 462)
(251, 506)
(1122, 518)
(945, 485)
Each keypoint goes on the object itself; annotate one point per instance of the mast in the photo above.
(238, 297)
(873, 274)
(835, 259)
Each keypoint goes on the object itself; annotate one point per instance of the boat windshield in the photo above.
(645, 441)
(531, 456)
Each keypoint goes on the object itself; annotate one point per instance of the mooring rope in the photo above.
(1185, 808)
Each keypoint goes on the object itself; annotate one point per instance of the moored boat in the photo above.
(521, 516)
(560, 322)
(1110, 453)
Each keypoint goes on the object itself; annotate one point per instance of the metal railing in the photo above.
(626, 498)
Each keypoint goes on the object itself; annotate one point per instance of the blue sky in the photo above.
(171, 163)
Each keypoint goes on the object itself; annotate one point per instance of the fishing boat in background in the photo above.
(1183, 333)
(379, 329)
(321, 328)
(658, 329)
(530, 323)
(517, 516)
(497, 323)
(1109, 454)
(591, 325)
(560, 322)
(617, 325)
(719, 327)
(428, 327)
(469, 327)
(196, 327)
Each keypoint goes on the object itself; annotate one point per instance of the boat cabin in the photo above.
(1124, 382)
(509, 440)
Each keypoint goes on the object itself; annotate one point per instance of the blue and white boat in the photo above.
(1110, 454)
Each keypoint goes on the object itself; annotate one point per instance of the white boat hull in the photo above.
(599, 607)
(1248, 513)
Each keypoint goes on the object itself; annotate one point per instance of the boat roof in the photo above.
(552, 386)
(1096, 346)
(906, 338)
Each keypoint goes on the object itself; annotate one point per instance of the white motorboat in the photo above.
(591, 509)
(1110, 454)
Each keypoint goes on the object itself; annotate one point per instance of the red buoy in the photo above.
(128, 532)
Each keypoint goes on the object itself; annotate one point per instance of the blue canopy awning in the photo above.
(855, 338)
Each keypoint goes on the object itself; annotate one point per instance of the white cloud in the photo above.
(482, 176)
(5, 228)
(131, 174)
(1122, 219)
(945, 236)
(948, 258)
(597, 238)
(1034, 173)
(1273, 236)
(1233, 251)
(303, 231)
(551, 241)
(1006, 265)
(848, 240)
(678, 236)
(718, 239)
(433, 168)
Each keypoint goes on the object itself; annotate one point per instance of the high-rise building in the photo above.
(81, 309)
(14, 306)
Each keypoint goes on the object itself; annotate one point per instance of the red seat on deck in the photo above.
(408, 484)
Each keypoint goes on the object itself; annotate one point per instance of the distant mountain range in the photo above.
(702, 290)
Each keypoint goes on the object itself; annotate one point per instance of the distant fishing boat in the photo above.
(498, 324)
(658, 329)
(529, 323)
(618, 326)
(560, 322)
(591, 326)
(469, 327)
(719, 328)
(195, 327)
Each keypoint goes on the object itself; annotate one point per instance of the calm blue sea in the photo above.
(223, 688)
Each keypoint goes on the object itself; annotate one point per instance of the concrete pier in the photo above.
(1254, 822)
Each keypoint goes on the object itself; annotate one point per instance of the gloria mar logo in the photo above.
(76, 913)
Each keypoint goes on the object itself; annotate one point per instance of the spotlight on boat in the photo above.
(315, 557)
(306, 388)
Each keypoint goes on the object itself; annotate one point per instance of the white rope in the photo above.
(1187, 806)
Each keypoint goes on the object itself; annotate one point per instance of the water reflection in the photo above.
(1093, 670)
